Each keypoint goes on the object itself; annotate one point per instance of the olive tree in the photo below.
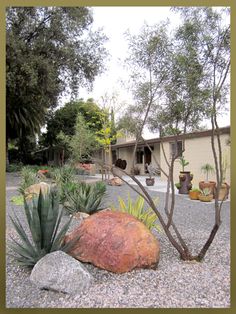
(204, 39)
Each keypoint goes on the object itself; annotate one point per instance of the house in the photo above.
(198, 151)
(51, 156)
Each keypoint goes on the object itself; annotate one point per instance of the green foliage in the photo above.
(193, 189)
(48, 49)
(63, 174)
(14, 167)
(28, 177)
(177, 185)
(183, 162)
(64, 178)
(18, 200)
(86, 198)
(207, 169)
(83, 142)
(65, 119)
(138, 210)
(43, 218)
(206, 191)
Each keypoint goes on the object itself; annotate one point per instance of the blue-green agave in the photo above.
(43, 217)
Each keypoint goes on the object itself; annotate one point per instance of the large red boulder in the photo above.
(114, 241)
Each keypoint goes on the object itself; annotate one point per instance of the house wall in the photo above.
(198, 152)
(126, 153)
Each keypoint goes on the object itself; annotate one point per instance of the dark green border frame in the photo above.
(5, 3)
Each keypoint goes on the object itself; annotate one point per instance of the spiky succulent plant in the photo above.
(87, 198)
(45, 233)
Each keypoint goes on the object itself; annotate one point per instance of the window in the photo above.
(139, 157)
(173, 148)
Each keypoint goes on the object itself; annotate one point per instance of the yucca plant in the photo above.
(44, 218)
(207, 169)
(28, 177)
(87, 198)
(137, 209)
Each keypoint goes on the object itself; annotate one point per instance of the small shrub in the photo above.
(195, 189)
(63, 174)
(14, 167)
(64, 179)
(28, 177)
(137, 209)
(86, 198)
(177, 185)
(43, 218)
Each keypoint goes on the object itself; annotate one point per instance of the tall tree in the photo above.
(65, 119)
(83, 142)
(148, 61)
(210, 72)
(48, 50)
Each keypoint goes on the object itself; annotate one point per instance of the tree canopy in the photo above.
(48, 50)
(174, 74)
(64, 119)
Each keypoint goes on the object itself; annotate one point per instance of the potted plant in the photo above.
(185, 177)
(205, 195)
(194, 193)
(207, 169)
(150, 181)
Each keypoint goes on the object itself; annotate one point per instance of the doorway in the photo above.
(147, 157)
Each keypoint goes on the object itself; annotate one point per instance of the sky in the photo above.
(115, 21)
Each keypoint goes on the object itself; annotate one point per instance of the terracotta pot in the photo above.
(193, 195)
(224, 192)
(150, 181)
(205, 198)
(209, 185)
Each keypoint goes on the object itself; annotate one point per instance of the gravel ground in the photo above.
(174, 284)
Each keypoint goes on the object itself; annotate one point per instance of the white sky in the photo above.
(115, 21)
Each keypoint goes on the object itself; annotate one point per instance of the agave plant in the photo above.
(64, 179)
(206, 191)
(63, 174)
(137, 209)
(43, 218)
(87, 198)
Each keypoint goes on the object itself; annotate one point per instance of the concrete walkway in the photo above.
(159, 186)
